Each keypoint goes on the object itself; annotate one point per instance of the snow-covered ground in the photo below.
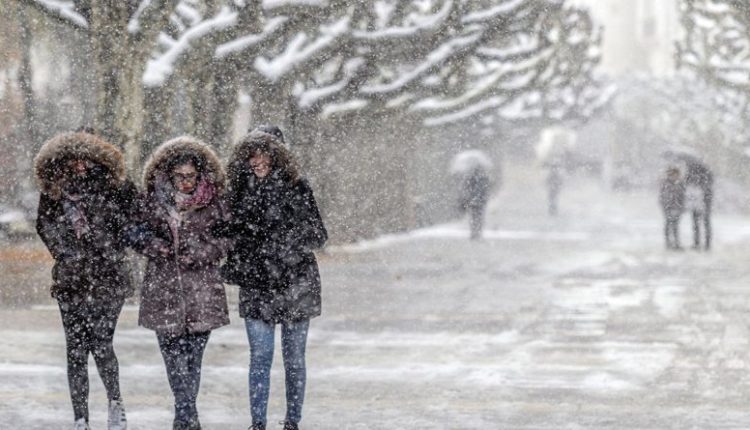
(581, 321)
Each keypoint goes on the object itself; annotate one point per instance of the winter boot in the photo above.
(81, 424)
(259, 426)
(179, 425)
(117, 420)
(288, 425)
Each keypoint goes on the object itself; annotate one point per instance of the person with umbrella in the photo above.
(472, 167)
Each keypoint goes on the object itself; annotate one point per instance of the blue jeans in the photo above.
(183, 355)
(260, 335)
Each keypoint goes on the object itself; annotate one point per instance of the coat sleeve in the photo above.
(234, 222)
(139, 233)
(129, 210)
(136, 232)
(308, 230)
(50, 230)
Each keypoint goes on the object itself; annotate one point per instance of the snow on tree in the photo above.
(716, 43)
(716, 49)
(298, 60)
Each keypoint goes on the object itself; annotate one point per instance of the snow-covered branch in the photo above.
(716, 44)
(298, 51)
(237, 46)
(61, 11)
(160, 68)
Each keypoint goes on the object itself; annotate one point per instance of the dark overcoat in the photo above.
(183, 291)
(276, 225)
(94, 263)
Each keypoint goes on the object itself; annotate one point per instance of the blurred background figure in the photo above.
(698, 183)
(554, 184)
(672, 201)
(472, 169)
(555, 145)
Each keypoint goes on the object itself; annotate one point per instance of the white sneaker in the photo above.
(81, 424)
(117, 420)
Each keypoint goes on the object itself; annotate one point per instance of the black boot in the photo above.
(288, 425)
(259, 426)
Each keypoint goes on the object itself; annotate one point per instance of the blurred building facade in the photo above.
(639, 35)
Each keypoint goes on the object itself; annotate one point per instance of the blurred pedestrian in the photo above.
(699, 180)
(276, 226)
(554, 185)
(182, 297)
(672, 200)
(475, 191)
(85, 206)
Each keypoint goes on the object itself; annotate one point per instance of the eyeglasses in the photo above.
(184, 177)
(261, 165)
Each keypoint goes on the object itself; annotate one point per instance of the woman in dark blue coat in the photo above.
(276, 225)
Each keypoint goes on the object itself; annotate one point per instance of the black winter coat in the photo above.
(95, 263)
(275, 226)
(475, 190)
(672, 196)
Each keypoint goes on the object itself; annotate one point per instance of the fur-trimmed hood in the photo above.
(184, 145)
(258, 140)
(48, 167)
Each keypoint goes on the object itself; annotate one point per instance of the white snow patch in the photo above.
(65, 9)
(347, 106)
(426, 23)
(134, 25)
(493, 12)
(455, 231)
(275, 4)
(669, 300)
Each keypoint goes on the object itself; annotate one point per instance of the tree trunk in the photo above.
(120, 62)
(158, 123)
(224, 99)
(25, 78)
(29, 128)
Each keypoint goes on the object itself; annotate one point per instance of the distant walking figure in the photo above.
(474, 196)
(471, 168)
(276, 225)
(699, 182)
(85, 207)
(672, 201)
(182, 298)
(554, 185)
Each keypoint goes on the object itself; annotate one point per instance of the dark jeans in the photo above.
(260, 335)
(672, 229)
(702, 217)
(183, 355)
(89, 326)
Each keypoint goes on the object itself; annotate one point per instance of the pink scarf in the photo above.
(202, 195)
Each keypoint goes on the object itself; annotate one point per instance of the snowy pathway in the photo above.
(578, 322)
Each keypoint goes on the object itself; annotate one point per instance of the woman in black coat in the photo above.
(276, 225)
(86, 205)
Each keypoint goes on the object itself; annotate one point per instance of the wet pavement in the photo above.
(581, 321)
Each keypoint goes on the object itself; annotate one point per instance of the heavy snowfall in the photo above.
(449, 214)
